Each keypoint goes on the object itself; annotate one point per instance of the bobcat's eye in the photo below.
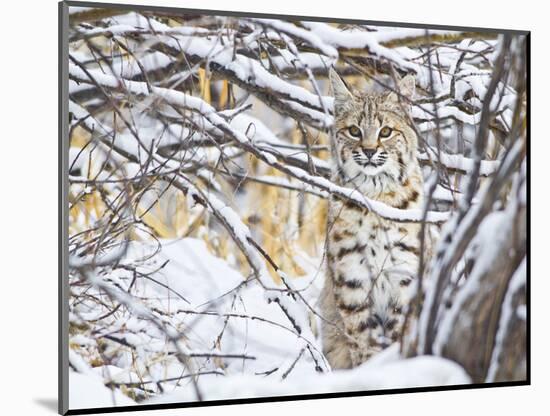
(385, 132)
(354, 131)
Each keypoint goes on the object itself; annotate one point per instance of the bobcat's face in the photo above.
(373, 137)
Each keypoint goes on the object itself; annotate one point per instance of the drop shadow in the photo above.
(49, 404)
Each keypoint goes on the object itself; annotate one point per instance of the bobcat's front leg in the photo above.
(353, 304)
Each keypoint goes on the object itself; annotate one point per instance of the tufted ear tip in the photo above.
(333, 75)
(339, 88)
(407, 86)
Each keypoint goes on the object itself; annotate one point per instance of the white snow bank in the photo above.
(86, 391)
(384, 372)
(222, 316)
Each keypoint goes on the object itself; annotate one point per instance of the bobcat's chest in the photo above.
(364, 246)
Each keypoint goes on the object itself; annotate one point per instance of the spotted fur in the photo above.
(371, 261)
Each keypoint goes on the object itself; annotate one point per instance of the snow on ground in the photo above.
(386, 372)
(256, 351)
(88, 392)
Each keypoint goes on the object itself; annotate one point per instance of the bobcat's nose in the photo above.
(369, 152)
(385, 343)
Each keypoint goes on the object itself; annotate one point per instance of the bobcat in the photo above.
(371, 261)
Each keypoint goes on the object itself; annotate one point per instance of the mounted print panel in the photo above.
(261, 208)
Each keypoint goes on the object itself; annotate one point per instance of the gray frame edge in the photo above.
(127, 5)
(63, 219)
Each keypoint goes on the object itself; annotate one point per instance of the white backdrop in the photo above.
(28, 208)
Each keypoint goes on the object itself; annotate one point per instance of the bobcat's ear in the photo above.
(406, 87)
(339, 89)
